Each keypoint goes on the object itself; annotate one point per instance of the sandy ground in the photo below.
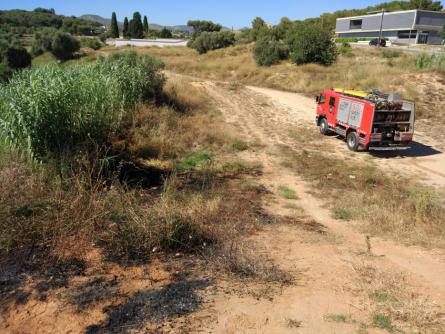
(422, 158)
(333, 271)
(328, 264)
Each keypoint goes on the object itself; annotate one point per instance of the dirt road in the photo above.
(421, 158)
(335, 275)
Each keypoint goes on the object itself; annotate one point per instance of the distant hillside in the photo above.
(154, 26)
(25, 21)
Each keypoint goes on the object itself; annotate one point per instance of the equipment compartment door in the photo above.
(350, 113)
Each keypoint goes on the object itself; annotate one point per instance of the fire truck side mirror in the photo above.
(317, 98)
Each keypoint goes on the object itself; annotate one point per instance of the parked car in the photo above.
(377, 42)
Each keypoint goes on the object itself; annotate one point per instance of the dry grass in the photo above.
(364, 69)
(360, 69)
(390, 205)
(198, 202)
(397, 308)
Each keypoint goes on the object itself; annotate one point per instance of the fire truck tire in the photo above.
(352, 141)
(324, 127)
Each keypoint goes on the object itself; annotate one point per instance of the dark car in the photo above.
(377, 42)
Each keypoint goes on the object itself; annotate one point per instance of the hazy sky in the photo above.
(236, 13)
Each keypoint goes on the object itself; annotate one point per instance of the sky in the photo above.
(230, 13)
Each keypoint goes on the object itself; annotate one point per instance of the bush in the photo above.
(43, 41)
(208, 41)
(432, 62)
(53, 111)
(311, 43)
(64, 46)
(165, 33)
(269, 51)
(92, 43)
(345, 50)
(5, 72)
(391, 54)
(18, 58)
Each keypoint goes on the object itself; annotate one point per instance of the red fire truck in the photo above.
(366, 119)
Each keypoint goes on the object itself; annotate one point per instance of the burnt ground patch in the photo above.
(94, 291)
(16, 269)
(155, 306)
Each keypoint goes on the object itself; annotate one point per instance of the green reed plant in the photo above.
(54, 111)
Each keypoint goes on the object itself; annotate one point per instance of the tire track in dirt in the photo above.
(328, 280)
(422, 159)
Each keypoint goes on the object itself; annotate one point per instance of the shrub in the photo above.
(433, 62)
(18, 58)
(208, 41)
(165, 33)
(64, 46)
(310, 43)
(259, 28)
(391, 54)
(92, 43)
(43, 41)
(5, 72)
(345, 50)
(53, 111)
(269, 51)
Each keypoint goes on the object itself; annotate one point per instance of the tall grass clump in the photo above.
(430, 62)
(52, 112)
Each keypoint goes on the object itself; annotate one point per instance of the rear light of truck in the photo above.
(376, 137)
(407, 136)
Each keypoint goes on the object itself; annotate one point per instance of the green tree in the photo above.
(18, 58)
(426, 5)
(208, 41)
(125, 28)
(165, 33)
(200, 26)
(136, 29)
(64, 46)
(114, 29)
(146, 24)
(268, 51)
(311, 43)
(43, 40)
(259, 27)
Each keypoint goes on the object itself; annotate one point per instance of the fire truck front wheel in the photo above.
(324, 127)
(352, 141)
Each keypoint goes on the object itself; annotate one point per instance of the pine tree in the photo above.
(136, 29)
(114, 27)
(125, 31)
(146, 24)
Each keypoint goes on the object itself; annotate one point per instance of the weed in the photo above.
(389, 54)
(382, 321)
(287, 193)
(292, 323)
(235, 86)
(194, 160)
(239, 145)
(292, 206)
(342, 214)
(340, 318)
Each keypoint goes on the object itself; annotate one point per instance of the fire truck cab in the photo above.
(365, 119)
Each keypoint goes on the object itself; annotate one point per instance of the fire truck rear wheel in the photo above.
(352, 141)
(324, 127)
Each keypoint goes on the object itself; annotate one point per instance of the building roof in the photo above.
(390, 13)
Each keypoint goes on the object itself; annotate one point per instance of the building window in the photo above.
(355, 24)
(405, 34)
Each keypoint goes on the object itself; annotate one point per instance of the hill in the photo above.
(24, 21)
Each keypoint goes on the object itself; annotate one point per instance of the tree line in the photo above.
(136, 28)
